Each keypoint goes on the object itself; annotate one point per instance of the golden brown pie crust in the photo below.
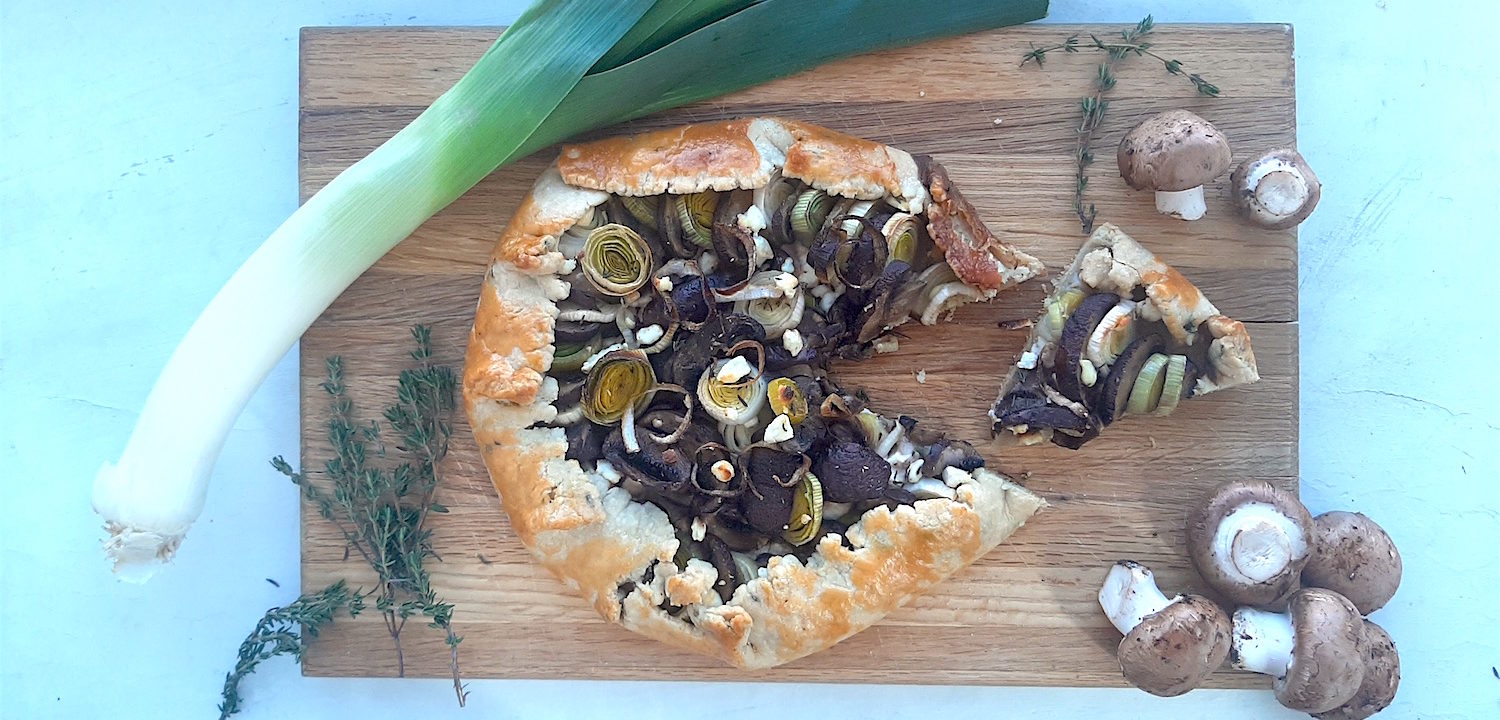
(602, 543)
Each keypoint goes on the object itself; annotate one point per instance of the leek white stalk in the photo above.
(153, 493)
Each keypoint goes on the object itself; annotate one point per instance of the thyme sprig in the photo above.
(285, 631)
(380, 508)
(1094, 106)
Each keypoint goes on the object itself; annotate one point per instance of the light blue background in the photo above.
(148, 147)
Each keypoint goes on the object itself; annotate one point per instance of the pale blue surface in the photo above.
(147, 148)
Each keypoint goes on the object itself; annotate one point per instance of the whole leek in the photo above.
(564, 67)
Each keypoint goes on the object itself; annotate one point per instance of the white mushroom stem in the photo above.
(1186, 204)
(1262, 641)
(1130, 595)
(1278, 186)
(1256, 542)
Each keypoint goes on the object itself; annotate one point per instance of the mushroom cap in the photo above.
(1328, 652)
(1250, 203)
(1172, 651)
(1172, 151)
(1354, 557)
(1382, 676)
(1203, 526)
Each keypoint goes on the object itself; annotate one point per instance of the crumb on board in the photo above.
(921, 93)
(1153, 441)
(922, 377)
(997, 121)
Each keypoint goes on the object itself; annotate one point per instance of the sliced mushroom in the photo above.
(946, 453)
(1353, 556)
(851, 472)
(1170, 644)
(1114, 397)
(1174, 153)
(768, 505)
(696, 352)
(1382, 677)
(691, 296)
(732, 241)
(1315, 651)
(660, 468)
(1250, 540)
(720, 556)
(1276, 190)
(1067, 363)
(586, 441)
(882, 311)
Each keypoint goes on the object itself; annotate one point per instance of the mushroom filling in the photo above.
(1097, 357)
(692, 357)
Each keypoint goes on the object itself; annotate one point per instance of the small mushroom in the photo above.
(1174, 153)
(1315, 651)
(1170, 644)
(1354, 557)
(1276, 190)
(1382, 676)
(1250, 541)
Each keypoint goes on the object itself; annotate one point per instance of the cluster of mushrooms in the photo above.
(1175, 153)
(1301, 586)
(692, 354)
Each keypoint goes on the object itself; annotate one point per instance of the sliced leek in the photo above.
(807, 511)
(642, 209)
(695, 213)
(735, 402)
(1172, 381)
(1145, 393)
(900, 233)
(809, 214)
(771, 196)
(615, 260)
(776, 314)
(569, 359)
(620, 380)
(787, 399)
(1059, 309)
(948, 297)
(1112, 334)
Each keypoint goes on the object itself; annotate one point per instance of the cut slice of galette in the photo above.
(648, 381)
(1123, 334)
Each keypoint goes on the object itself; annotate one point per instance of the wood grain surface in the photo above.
(1025, 614)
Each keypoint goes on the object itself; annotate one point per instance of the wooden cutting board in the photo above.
(1025, 614)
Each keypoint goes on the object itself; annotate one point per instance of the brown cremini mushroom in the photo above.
(1382, 676)
(1315, 651)
(1174, 153)
(1250, 541)
(1354, 557)
(1170, 644)
(1276, 190)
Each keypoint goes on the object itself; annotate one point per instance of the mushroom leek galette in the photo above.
(648, 381)
(1122, 334)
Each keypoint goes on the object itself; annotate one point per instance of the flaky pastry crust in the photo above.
(618, 553)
